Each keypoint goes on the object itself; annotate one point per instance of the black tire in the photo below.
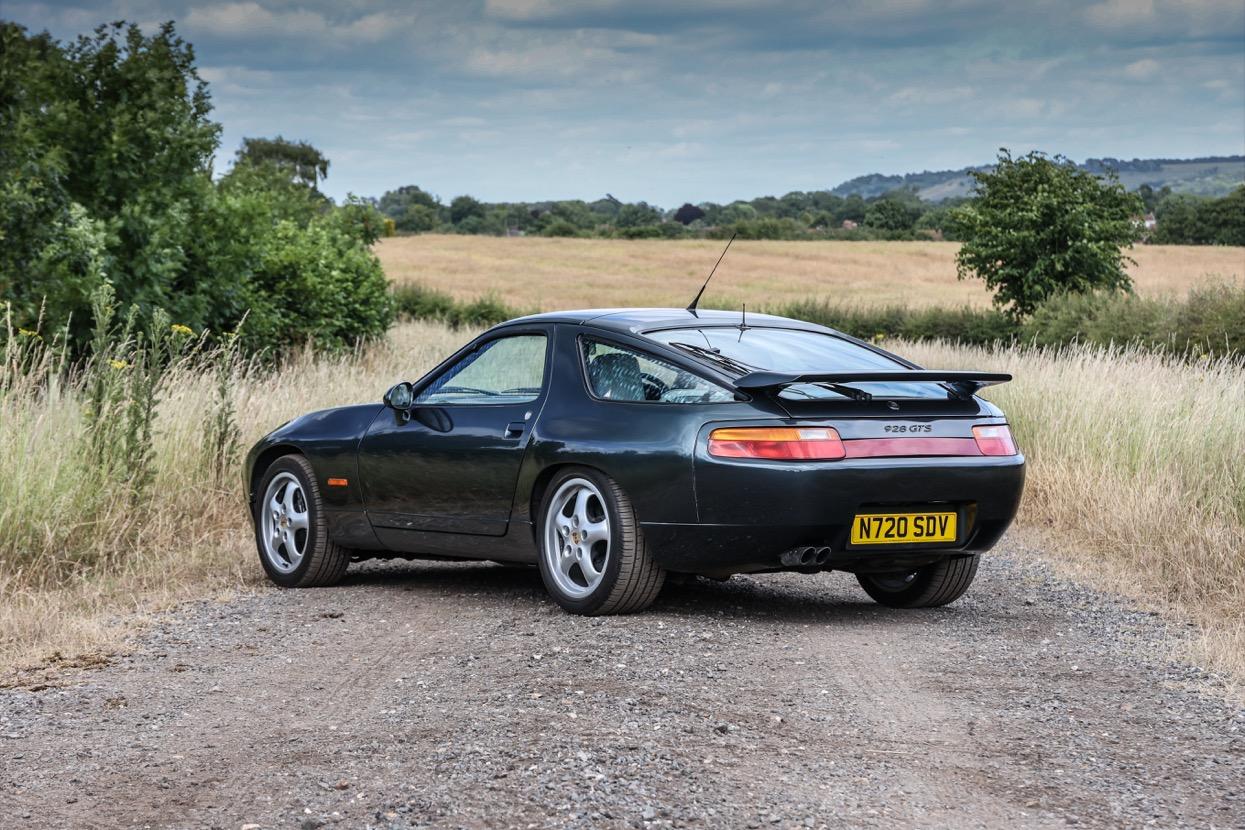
(323, 562)
(927, 587)
(631, 580)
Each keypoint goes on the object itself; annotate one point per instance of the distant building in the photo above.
(850, 225)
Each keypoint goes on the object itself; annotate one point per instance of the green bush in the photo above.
(1210, 321)
(974, 326)
(316, 285)
(561, 227)
(415, 302)
(1214, 317)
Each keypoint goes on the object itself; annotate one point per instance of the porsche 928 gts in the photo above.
(610, 448)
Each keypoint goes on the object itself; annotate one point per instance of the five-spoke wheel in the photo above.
(286, 523)
(290, 528)
(577, 537)
(593, 557)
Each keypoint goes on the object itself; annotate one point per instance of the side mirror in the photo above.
(400, 397)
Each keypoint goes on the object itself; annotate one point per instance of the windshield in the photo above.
(793, 351)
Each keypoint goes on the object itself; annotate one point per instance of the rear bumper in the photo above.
(752, 512)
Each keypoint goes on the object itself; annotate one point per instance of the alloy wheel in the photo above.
(284, 522)
(577, 537)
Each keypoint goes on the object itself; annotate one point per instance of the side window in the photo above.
(619, 374)
(503, 371)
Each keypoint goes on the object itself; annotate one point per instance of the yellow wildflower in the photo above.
(118, 364)
(178, 328)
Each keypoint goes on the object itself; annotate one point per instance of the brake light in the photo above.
(994, 439)
(781, 443)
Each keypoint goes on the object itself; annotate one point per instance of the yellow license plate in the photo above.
(901, 528)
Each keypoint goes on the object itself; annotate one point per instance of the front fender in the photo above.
(329, 439)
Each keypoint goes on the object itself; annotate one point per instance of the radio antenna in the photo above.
(692, 307)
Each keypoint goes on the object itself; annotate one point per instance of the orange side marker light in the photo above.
(338, 482)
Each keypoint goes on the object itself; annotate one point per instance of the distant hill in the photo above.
(1211, 176)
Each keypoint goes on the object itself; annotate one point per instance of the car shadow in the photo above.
(780, 598)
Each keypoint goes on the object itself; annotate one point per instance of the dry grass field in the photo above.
(1134, 479)
(550, 274)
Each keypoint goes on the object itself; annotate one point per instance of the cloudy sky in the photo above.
(674, 100)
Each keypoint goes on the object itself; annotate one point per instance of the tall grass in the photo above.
(1136, 475)
(78, 545)
(1136, 471)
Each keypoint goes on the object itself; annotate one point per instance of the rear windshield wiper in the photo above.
(714, 356)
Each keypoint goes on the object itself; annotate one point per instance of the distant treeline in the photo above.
(818, 214)
(1182, 219)
(798, 215)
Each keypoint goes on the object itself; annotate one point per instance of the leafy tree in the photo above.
(105, 177)
(1150, 197)
(106, 143)
(852, 208)
(36, 211)
(465, 207)
(688, 213)
(1224, 218)
(1041, 227)
(411, 208)
(287, 198)
(891, 214)
(1180, 222)
(297, 160)
(637, 215)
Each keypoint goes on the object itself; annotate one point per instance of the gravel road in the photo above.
(422, 694)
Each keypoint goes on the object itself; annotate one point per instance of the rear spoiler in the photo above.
(968, 383)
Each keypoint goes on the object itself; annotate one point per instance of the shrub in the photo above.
(964, 325)
(642, 232)
(560, 227)
(415, 302)
(1210, 321)
(316, 285)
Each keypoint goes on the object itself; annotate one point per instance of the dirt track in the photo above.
(447, 695)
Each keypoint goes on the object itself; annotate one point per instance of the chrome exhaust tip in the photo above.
(805, 556)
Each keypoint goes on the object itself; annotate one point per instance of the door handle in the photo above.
(515, 428)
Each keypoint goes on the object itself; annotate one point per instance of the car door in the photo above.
(453, 465)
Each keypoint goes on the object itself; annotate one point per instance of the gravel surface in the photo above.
(449, 695)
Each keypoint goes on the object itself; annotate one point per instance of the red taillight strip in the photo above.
(777, 443)
(825, 444)
(909, 447)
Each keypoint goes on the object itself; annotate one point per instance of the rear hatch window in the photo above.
(739, 351)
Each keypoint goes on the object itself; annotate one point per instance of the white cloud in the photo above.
(589, 56)
(930, 95)
(249, 20)
(1167, 19)
(1142, 70)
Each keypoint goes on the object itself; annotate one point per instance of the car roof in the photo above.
(642, 320)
